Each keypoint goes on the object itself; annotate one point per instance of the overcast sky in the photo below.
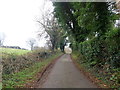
(18, 21)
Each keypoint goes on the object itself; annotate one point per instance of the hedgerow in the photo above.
(104, 54)
(13, 63)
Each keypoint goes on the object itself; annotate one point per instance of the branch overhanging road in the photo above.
(64, 74)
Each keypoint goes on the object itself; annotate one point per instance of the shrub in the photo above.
(13, 63)
(105, 49)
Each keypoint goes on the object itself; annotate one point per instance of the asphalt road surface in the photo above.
(64, 74)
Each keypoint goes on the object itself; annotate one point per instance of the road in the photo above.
(64, 74)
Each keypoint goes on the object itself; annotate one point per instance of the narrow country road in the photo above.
(65, 75)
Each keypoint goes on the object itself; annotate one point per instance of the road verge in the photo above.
(89, 75)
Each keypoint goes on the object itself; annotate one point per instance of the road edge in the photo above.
(88, 75)
(40, 74)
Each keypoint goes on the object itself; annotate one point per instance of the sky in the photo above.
(18, 21)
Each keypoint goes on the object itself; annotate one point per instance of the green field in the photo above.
(13, 51)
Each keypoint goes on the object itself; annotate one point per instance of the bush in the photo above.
(103, 55)
(105, 49)
(13, 63)
(94, 51)
(113, 40)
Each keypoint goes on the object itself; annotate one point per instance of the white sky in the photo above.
(18, 21)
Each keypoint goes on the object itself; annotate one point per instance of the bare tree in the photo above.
(50, 29)
(49, 45)
(2, 38)
(31, 42)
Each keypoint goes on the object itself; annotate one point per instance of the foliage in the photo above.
(103, 50)
(83, 20)
(64, 13)
(13, 63)
(113, 39)
(19, 79)
(53, 31)
(110, 77)
(104, 54)
(0, 85)
(91, 32)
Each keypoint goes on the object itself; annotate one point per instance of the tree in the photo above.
(31, 42)
(84, 20)
(52, 29)
(2, 38)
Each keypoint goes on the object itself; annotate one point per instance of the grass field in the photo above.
(13, 51)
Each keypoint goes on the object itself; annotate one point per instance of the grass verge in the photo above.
(28, 74)
(0, 85)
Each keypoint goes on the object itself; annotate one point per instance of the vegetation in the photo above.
(21, 66)
(31, 42)
(1, 83)
(54, 33)
(28, 74)
(13, 51)
(13, 60)
(93, 35)
(90, 28)
(106, 77)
